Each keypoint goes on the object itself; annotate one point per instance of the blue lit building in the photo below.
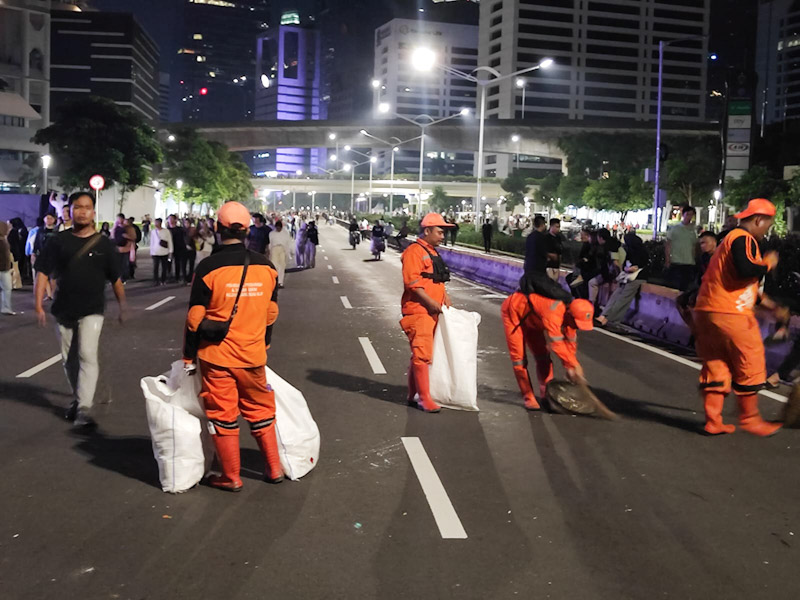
(287, 89)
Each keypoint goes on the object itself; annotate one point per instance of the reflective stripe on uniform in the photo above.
(261, 424)
(225, 424)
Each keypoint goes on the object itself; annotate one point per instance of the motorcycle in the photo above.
(378, 246)
(355, 239)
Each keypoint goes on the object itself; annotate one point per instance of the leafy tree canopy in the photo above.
(757, 183)
(515, 187)
(439, 200)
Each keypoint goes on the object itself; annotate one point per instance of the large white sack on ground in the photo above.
(181, 443)
(454, 371)
(297, 432)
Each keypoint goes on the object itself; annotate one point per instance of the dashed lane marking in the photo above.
(330, 268)
(444, 514)
(345, 302)
(493, 296)
(40, 367)
(160, 303)
(335, 279)
(681, 360)
(325, 257)
(372, 356)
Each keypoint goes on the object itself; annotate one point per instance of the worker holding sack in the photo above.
(424, 294)
(232, 307)
(543, 324)
(728, 339)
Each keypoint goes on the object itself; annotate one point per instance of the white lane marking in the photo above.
(494, 296)
(330, 268)
(322, 249)
(335, 279)
(372, 356)
(444, 514)
(345, 302)
(325, 257)
(682, 360)
(40, 367)
(160, 303)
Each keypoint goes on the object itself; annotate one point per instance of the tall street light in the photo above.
(515, 138)
(394, 143)
(46, 160)
(372, 160)
(522, 84)
(661, 45)
(424, 59)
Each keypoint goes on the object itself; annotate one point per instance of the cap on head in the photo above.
(582, 311)
(757, 206)
(434, 220)
(232, 213)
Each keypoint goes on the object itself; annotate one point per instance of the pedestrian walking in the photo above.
(281, 248)
(81, 261)
(543, 325)
(124, 237)
(178, 234)
(300, 245)
(424, 276)
(133, 228)
(487, 231)
(161, 249)
(679, 251)
(146, 225)
(228, 334)
(312, 241)
(728, 339)
(204, 241)
(258, 235)
(6, 266)
(44, 234)
(191, 248)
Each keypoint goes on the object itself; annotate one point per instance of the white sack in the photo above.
(454, 371)
(181, 443)
(296, 430)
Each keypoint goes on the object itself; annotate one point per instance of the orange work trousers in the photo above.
(517, 338)
(229, 391)
(732, 352)
(420, 329)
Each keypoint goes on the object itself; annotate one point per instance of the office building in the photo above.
(103, 54)
(287, 88)
(213, 77)
(425, 97)
(778, 62)
(24, 85)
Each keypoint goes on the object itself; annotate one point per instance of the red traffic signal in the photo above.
(203, 91)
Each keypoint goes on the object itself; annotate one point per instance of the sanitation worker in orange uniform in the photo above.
(424, 276)
(543, 324)
(232, 363)
(728, 339)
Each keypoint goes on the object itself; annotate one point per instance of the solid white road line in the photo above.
(493, 296)
(335, 279)
(330, 268)
(372, 356)
(160, 303)
(681, 360)
(444, 514)
(345, 302)
(40, 367)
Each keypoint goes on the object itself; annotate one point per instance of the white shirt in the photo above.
(281, 238)
(156, 235)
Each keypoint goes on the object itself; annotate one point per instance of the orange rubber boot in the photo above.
(524, 383)
(422, 380)
(412, 385)
(750, 419)
(228, 453)
(713, 402)
(268, 444)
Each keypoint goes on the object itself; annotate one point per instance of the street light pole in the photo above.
(352, 190)
(421, 158)
(480, 154)
(391, 181)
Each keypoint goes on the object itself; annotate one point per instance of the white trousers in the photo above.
(80, 342)
(278, 258)
(5, 291)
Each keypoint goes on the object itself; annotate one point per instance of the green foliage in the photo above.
(621, 153)
(439, 200)
(95, 136)
(515, 186)
(693, 173)
(548, 188)
(757, 182)
(209, 172)
(571, 189)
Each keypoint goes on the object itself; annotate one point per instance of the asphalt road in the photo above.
(553, 506)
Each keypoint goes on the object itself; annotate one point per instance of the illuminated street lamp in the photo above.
(394, 143)
(515, 138)
(46, 160)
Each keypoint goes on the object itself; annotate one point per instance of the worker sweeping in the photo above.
(424, 276)
(544, 324)
(728, 339)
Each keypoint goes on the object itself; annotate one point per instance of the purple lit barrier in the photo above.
(498, 272)
(654, 312)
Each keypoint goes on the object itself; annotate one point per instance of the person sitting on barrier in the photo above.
(424, 294)
(543, 324)
(686, 300)
(629, 281)
(728, 336)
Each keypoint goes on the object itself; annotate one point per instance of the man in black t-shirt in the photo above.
(258, 235)
(536, 247)
(81, 261)
(178, 234)
(554, 249)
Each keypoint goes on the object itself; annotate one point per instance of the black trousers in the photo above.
(487, 243)
(162, 263)
(179, 262)
(188, 268)
(124, 265)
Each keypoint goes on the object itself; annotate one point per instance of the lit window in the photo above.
(197, 36)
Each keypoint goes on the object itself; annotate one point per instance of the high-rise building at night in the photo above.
(434, 95)
(213, 79)
(104, 54)
(287, 83)
(24, 84)
(778, 62)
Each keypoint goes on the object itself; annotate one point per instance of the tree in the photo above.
(593, 154)
(438, 200)
(571, 189)
(619, 193)
(515, 187)
(757, 182)
(548, 188)
(93, 135)
(693, 170)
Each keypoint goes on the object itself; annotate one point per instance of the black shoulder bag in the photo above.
(215, 331)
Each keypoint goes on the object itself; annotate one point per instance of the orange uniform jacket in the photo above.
(417, 261)
(545, 315)
(730, 284)
(216, 281)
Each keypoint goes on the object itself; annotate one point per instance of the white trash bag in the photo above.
(454, 371)
(295, 428)
(181, 442)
